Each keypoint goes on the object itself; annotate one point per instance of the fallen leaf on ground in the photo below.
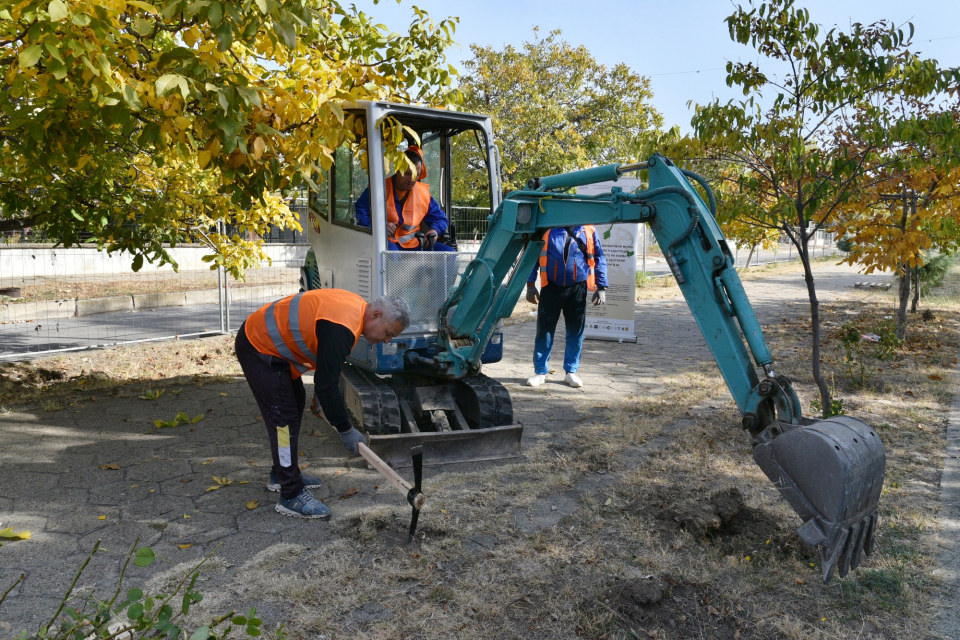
(208, 461)
(935, 377)
(184, 546)
(8, 534)
(304, 466)
(197, 418)
(224, 393)
(244, 482)
(213, 488)
(339, 472)
(258, 418)
(112, 465)
(101, 517)
(186, 479)
(253, 504)
(349, 493)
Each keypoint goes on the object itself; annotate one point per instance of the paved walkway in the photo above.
(54, 484)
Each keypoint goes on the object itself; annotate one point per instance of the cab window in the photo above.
(349, 180)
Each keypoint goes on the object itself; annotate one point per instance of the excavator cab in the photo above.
(389, 389)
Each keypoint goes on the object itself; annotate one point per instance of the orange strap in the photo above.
(414, 210)
(287, 328)
(591, 258)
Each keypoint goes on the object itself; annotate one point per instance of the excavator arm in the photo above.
(830, 471)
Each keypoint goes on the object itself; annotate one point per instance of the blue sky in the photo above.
(665, 40)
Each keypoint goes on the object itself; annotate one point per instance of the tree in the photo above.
(911, 206)
(555, 108)
(139, 124)
(797, 164)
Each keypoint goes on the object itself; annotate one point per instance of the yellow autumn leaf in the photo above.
(253, 504)
(101, 517)
(213, 488)
(9, 534)
(259, 146)
(203, 158)
(184, 546)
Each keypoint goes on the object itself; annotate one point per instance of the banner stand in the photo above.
(614, 321)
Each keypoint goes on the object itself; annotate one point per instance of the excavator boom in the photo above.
(830, 471)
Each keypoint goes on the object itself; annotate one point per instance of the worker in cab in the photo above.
(571, 264)
(314, 330)
(409, 205)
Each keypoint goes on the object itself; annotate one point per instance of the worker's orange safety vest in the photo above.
(591, 258)
(414, 210)
(287, 328)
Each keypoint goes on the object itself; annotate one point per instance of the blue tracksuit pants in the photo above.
(572, 302)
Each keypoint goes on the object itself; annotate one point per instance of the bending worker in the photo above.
(571, 263)
(281, 341)
(409, 204)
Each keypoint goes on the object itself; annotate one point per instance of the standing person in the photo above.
(571, 263)
(281, 341)
(409, 204)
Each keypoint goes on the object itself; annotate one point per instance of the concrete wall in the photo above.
(29, 261)
(74, 308)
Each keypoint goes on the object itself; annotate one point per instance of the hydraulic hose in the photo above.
(694, 220)
(706, 187)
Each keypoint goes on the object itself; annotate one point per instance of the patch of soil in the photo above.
(660, 607)
(703, 517)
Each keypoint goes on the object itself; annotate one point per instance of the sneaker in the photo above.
(303, 506)
(536, 380)
(310, 482)
(573, 380)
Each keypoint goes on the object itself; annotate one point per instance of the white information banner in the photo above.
(615, 319)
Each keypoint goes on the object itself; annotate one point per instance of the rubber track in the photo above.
(381, 410)
(496, 407)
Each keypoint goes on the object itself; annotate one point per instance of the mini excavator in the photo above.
(428, 390)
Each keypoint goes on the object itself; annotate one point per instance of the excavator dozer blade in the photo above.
(448, 447)
(831, 472)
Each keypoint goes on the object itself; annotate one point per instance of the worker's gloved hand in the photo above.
(430, 240)
(351, 439)
(533, 297)
(391, 228)
(599, 297)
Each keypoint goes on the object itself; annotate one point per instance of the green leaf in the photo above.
(134, 594)
(197, 419)
(30, 56)
(57, 68)
(167, 83)
(131, 98)
(137, 265)
(52, 48)
(57, 10)
(215, 15)
(135, 611)
(201, 634)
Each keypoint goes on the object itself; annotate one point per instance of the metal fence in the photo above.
(57, 300)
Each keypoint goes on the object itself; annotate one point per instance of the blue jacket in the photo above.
(435, 217)
(566, 273)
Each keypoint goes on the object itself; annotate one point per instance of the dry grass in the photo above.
(119, 284)
(669, 529)
(58, 381)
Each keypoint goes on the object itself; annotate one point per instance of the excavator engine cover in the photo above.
(831, 472)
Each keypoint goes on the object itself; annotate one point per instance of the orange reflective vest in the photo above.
(287, 328)
(591, 258)
(414, 209)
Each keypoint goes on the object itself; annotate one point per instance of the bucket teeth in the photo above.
(831, 472)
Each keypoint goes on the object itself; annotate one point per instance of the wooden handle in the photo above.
(392, 476)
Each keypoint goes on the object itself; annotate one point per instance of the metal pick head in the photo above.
(416, 497)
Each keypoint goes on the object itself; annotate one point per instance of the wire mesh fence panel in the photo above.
(265, 284)
(55, 299)
(425, 280)
(470, 223)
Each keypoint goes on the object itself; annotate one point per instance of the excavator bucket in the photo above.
(831, 472)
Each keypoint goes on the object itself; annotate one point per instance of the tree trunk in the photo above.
(916, 290)
(803, 251)
(903, 295)
(750, 257)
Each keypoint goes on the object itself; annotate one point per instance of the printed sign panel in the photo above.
(615, 319)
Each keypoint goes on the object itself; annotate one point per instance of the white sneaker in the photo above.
(572, 379)
(536, 380)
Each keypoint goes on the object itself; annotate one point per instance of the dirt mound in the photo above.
(703, 517)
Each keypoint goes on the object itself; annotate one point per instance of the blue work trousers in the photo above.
(572, 301)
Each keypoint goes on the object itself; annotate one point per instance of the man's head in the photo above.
(385, 319)
(405, 177)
